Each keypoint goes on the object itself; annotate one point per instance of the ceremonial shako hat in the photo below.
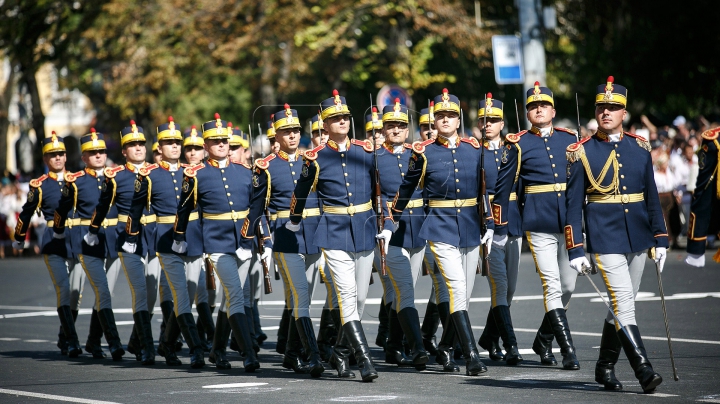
(288, 118)
(216, 129)
(53, 144)
(169, 131)
(427, 116)
(315, 123)
(447, 102)
(333, 106)
(395, 113)
(236, 138)
(132, 133)
(372, 121)
(490, 108)
(245, 139)
(92, 141)
(538, 93)
(155, 146)
(611, 93)
(192, 138)
(270, 132)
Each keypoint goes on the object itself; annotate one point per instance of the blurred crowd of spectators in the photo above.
(13, 194)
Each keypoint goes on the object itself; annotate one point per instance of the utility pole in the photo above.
(533, 49)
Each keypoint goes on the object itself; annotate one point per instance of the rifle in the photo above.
(425, 269)
(577, 107)
(261, 250)
(517, 116)
(209, 274)
(483, 264)
(377, 195)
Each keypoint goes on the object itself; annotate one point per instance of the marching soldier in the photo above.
(44, 196)
(537, 158)
(504, 261)
(405, 249)
(373, 127)
(155, 154)
(222, 218)
(297, 258)
(623, 220)
(427, 123)
(347, 226)
(118, 190)
(157, 187)
(81, 194)
(318, 136)
(705, 205)
(452, 225)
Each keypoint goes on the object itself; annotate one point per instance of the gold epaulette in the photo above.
(514, 137)
(576, 150)
(71, 177)
(566, 130)
(192, 171)
(112, 172)
(474, 142)
(145, 171)
(37, 182)
(366, 144)
(711, 134)
(263, 164)
(419, 147)
(311, 155)
(640, 141)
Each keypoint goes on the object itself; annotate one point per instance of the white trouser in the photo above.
(294, 269)
(326, 276)
(502, 276)
(152, 282)
(403, 268)
(182, 275)
(438, 292)
(112, 270)
(458, 267)
(95, 270)
(67, 280)
(232, 273)
(622, 274)
(351, 280)
(551, 262)
(134, 267)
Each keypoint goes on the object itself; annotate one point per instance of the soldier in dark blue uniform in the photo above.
(81, 194)
(342, 172)
(611, 186)
(373, 127)
(405, 249)
(44, 196)
(705, 205)
(296, 256)
(318, 135)
(536, 158)
(118, 191)
(427, 122)
(158, 187)
(504, 261)
(222, 216)
(447, 168)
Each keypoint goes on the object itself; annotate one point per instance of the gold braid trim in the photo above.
(644, 144)
(613, 187)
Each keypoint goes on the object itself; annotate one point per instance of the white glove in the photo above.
(499, 241)
(129, 247)
(243, 253)
(660, 256)
(487, 239)
(695, 260)
(58, 236)
(292, 226)
(581, 265)
(18, 245)
(385, 236)
(91, 239)
(267, 253)
(179, 246)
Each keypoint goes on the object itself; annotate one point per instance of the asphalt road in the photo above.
(32, 369)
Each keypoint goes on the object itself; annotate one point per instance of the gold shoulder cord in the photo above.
(595, 182)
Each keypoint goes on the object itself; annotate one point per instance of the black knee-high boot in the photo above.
(490, 338)
(429, 328)
(220, 340)
(445, 355)
(610, 347)
(501, 314)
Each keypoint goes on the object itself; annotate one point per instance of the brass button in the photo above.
(403, 174)
(458, 210)
(453, 151)
(624, 188)
(347, 184)
(620, 164)
(456, 170)
(231, 203)
(548, 148)
(616, 146)
(551, 156)
(343, 164)
(346, 174)
(553, 165)
(292, 172)
(410, 211)
(555, 175)
(454, 161)
(559, 194)
(175, 181)
(226, 186)
(457, 180)
(291, 164)
(295, 181)
(622, 175)
(349, 193)
(557, 187)
(458, 190)
(618, 155)
(626, 211)
(545, 140)
(222, 170)
(228, 194)
(497, 160)
(178, 196)
(176, 188)
(399, 165)
(342, 154)
(224, 179)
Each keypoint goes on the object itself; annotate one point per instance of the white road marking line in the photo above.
(26, 308)
(36, 340)
(709, 399)
(233, 385)
(662, 395)
(358, 399)
(54, 397)
(9, 339)
(131, 322)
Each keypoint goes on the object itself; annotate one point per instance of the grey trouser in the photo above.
(502, 276)
(233, 275)
(551, 262)
(182, 275)
(67, 278)
(438, 292)
(152, 281)
(351, 280)
(134, 267)
(458, 267)
(297, 271)
(403, 269)
(622, 274)
(95, 270)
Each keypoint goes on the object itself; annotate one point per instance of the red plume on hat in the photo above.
(609, 84)
(218, 121)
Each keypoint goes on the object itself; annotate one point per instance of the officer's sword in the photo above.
(622, 327)
(577, 108)
(517, 116)
(651, 255)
